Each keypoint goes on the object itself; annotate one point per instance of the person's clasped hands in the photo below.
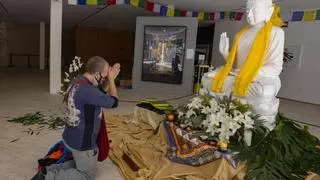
(114, 71)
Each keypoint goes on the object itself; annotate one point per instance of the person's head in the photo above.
(258, 11)
(98, 68)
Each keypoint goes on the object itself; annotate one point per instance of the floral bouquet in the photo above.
(75, 68)
(217, 119)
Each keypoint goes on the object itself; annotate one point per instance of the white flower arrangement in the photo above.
(75, 69)
(218, 119)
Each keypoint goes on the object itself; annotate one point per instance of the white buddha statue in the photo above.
(258, 53)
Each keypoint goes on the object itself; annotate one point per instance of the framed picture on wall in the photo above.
(163, 54)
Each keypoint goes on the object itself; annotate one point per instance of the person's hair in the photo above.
(95, 64)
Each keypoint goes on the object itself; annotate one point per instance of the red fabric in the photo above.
(103, 141)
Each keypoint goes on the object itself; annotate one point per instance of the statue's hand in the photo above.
(224, 45)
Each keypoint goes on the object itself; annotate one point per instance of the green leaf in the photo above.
(38, 118)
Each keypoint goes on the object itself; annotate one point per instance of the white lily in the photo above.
(180, 114)
(76, 68)
(78, 60)
(190, 113)
(66, 80)
(70, 69)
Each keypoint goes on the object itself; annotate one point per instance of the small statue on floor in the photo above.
(258, 50)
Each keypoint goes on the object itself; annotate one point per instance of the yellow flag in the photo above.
(92, 2)
(227, 15)
(134, 3)
(309, 16)
(170, 11)
(201, 15)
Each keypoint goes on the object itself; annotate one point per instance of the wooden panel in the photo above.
(114, 46)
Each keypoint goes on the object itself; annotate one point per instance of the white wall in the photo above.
(300, 79)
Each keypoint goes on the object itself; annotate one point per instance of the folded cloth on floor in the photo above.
(141, 154)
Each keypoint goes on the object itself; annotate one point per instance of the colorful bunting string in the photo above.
(310, 15)
(164, 10)
(171, 11)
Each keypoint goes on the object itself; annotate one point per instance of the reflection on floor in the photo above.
(26, 90)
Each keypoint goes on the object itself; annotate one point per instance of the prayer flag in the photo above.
(102, 2)
(134, 3)
(232, 15)
(194, 14)
(217, 16)
(82, 2)
(201, 15)
(150, 6)
(222, 15)
(177, 13)
(73, 2)
(156, 8)
(163, 10)
(109, 2)
(309, 15)
(92, 2)
(212, 16)
(239, 16)
(142, 3)
(297, 16)
(318, 15)
(206, 16)
(119, 1)
(123, 1)
(189, 13)
(227, 15)
(183, 13)
(170, 11)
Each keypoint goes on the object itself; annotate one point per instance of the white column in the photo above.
(42, 48)
(55, 45)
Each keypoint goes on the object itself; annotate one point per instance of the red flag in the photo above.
(212, 16)
(111, 2)
(239, 16)
(150, 6)
(183, 13)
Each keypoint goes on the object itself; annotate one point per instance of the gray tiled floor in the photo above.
(26, 90)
